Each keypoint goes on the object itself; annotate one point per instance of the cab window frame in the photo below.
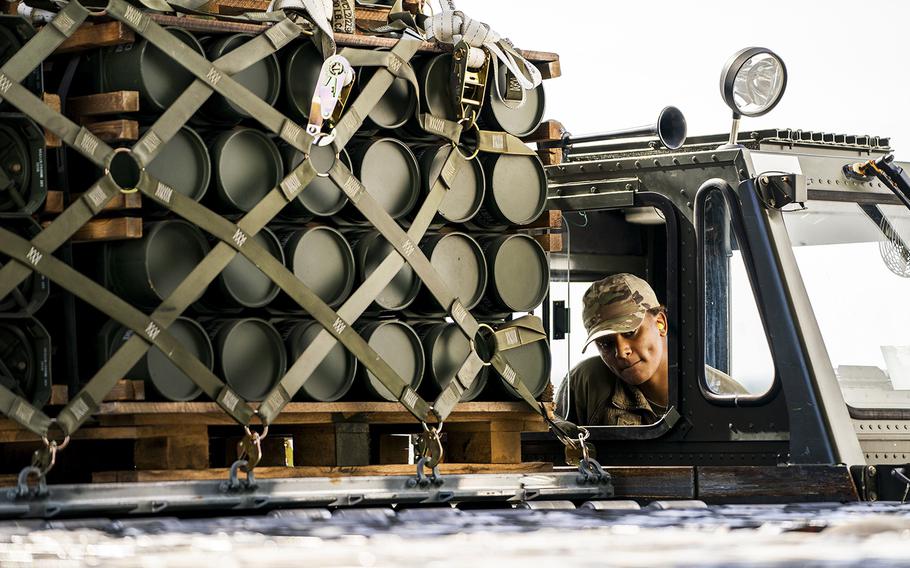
(732, 203)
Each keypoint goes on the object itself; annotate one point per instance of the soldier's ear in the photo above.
(662, 324)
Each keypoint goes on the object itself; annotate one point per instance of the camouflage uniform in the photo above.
(592, 393)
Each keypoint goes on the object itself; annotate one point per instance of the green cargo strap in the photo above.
(402, 69)
(522, 331)
(395, 235)
(360, 300)
(61, 229)
(502, 143)
(224, 230)
(373, 92)
(21, 411)
(77, 137)
(203, 69)
(45, 42)
(186, 105)
(108, 303)
(518, 333)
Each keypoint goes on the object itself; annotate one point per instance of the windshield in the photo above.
(856, 267)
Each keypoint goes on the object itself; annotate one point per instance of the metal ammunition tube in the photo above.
(519, 274)
(516, 191)
(511, 108)
(463, 201)
(33, 292)
(156, 369)
(398, 344)
(446, 348)
(241, 284)
(389, 171)
(460, 262)
(23, 165)
(262, 78)
(322, 196)
(145, 271)
(246, 166)
(334, 376)
(370, 250)
(250, 355)
(322, 259)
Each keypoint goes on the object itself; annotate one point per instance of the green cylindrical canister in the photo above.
(31, 293)
(322, 196)
(519, 274)
(434, 75)
(532, 363)
(370, 251)
(459, 261)
(398, 344)
(247, 165)
(250, 355)
(142, 67)
(262, 78)
(389, 171)
(23, 188)
(145, 271)
(517, 117)
(241, 283)
(301, 66)
(334, 376)
(169, 382)
(183, 164)
(516, 191)
(322, 259)
(395, 106)
(446, 348)
(462, 201)
(25, 351)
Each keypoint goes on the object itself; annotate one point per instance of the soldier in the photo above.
(629, 383)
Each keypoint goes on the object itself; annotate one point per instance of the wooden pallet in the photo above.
(307, 439)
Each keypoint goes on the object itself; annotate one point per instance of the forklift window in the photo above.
(855, 264)
(737, 358)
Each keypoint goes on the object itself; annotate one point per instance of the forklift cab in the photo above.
(776, 266)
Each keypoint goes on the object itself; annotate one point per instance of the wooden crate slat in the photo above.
(98, 230)
(51, 140)
(314, 471)
(103, 103)
(89, 36)
(119, 130)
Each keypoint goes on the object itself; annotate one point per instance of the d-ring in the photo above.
(473, 344)
(477, 149)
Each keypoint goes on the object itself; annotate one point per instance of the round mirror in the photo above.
(753, 81)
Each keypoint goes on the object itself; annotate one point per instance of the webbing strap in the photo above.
(96, 295)
(45, 42)
(402, 69)
(186, 105)
(206, 71)
(371, 94)
(395, 235)
(61, 229)
(79, 138)
(360, 300)
(494, 142)
(228, 232)
(23, 412)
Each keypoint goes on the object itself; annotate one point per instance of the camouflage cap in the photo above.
(616, 304)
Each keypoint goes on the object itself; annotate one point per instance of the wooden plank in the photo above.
(494, 442)
(90, 36)
(98, 230)
(548, 131)
(778, 484)
(548, 69)
(653, 482)
(120, 130)
(551, 242)
(55, 203)
(550, 156)
(188, 449)
(551, 219)
(51, 140)
(126, 389)
(103, 103)
(340, 444)
(296, 472)
(394, 449)
(59, 395)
